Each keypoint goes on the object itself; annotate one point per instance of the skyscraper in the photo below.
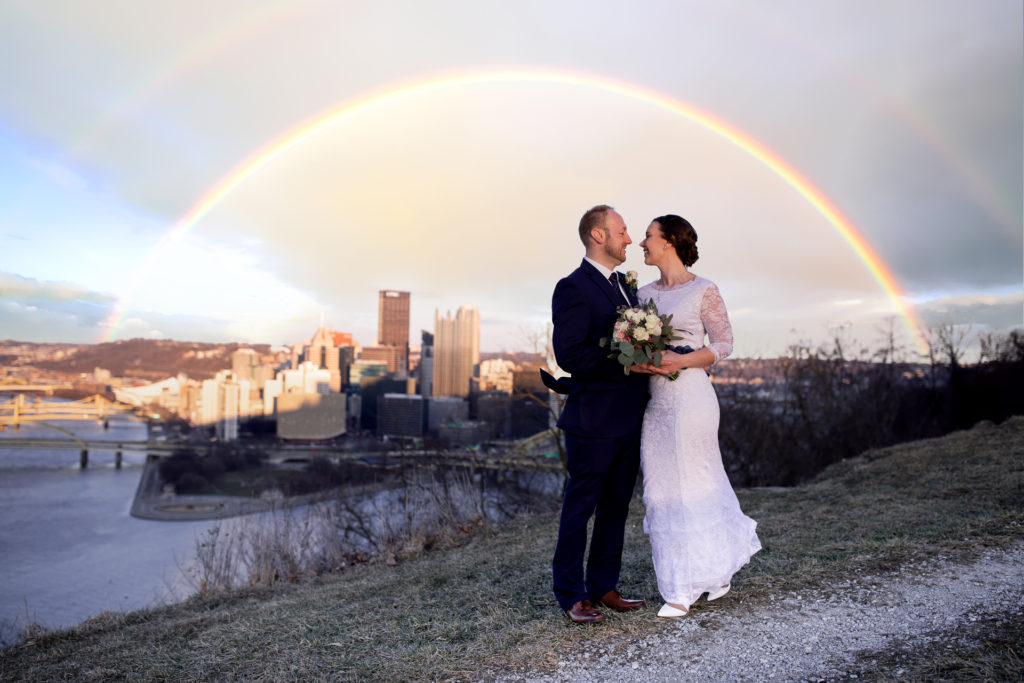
(456, 351)
(393, 318)
(425, 370)
(393, 323)
(322, 353)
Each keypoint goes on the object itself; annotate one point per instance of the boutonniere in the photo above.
(631, 280)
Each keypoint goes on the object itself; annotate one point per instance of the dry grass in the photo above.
(460, 612)
(989, 650)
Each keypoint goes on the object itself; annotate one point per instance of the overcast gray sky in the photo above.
(119, 118)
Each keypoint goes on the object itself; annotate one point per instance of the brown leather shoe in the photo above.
(620, 604)
(583, 612)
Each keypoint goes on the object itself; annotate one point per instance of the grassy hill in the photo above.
(459, 612)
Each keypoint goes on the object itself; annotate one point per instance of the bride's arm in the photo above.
(715, 318)
(716, 321)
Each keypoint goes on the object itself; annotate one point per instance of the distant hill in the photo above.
(149, 358)
(517, 357)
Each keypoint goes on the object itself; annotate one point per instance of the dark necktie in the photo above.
(614, 280)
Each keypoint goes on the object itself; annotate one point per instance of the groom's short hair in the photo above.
(593, 218)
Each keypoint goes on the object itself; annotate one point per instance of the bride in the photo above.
(699, 536)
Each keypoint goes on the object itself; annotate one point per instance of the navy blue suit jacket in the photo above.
(603, 400)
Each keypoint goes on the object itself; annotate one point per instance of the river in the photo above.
(68, 547)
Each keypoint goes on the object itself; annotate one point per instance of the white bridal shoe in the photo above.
(670, 612)
(718, 593)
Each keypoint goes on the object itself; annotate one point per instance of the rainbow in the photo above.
(388, 94)
(203, 51)
(917, 121)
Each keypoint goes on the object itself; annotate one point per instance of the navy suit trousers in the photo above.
(602, 475)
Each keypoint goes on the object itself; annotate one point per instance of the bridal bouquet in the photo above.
(640, 335)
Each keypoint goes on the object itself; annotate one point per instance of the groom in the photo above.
(601, 420)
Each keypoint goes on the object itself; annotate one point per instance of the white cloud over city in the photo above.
(906, 115)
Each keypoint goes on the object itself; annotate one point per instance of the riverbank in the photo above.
(152, 501)
(897, 520)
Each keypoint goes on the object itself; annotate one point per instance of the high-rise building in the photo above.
(392, 356)
(530, 411)
(244, 362)
(456, 351)
(496, 375)
(324, 352)
(400, 415)
(222, 402)
(442, 410)
(425, 367)
(393, 325)
(311, 416)
(393, 318)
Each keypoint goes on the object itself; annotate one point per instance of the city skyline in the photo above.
(844, 165)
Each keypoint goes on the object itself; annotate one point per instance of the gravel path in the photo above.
(815, 635)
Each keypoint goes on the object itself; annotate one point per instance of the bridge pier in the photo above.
(83, 459)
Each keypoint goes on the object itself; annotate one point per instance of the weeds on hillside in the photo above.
(28, 627)
(287, 544)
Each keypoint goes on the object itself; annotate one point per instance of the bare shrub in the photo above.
(821, 404)
(217, 560)
(286, 544)
(28, 628)
(279, 545)
(429, 507)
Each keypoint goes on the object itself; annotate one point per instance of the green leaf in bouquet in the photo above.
(657, 358)
(639, 356)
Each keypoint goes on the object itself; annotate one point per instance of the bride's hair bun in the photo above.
(678, 232)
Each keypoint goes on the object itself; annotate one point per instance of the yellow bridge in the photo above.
(18, 411)
(14, 387)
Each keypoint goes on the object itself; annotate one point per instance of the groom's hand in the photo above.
(646, 368)
(674, 362)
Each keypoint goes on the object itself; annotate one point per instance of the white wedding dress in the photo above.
(699, 536)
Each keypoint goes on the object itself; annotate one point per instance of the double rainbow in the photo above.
(353, 106)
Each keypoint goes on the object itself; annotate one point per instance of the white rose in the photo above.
(641, 334)
(653, 329)
(652, 320)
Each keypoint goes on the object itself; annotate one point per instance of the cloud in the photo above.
(906, 115)
(13, 286)
(60, 174)
(1001, 312)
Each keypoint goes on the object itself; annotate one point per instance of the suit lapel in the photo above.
(601, 283)
(631, 295)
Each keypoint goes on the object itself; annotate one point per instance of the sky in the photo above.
(243, 170)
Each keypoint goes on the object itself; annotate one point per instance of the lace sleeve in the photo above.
(716, 322)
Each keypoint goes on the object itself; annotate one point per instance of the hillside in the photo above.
(908, 517)
(149, 358)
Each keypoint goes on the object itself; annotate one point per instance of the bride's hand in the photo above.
(674, 362)
(670, 362)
